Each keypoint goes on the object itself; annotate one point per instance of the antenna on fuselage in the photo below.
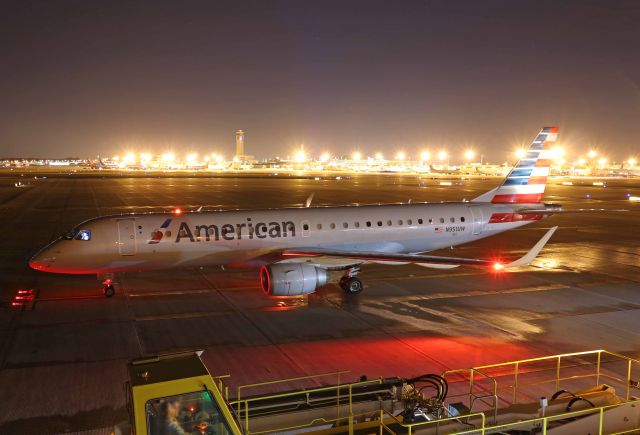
(307, 203)
(199, 209)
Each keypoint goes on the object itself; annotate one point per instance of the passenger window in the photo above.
(420, 221)
(389, 223)
(84, 235)
(409, 222)
(368, 223)
(452, 219)
(319, 226)
(441, 220)
(345, 225)
(305, 227)
(183, 412)
(333, 226)
(379, 223)
(356, 224)
(399, 221)
(430, 220)
(461, 218)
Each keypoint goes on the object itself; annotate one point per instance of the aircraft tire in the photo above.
(109, 291)
(352, 286)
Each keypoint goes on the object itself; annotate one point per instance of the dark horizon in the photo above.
(101, 78)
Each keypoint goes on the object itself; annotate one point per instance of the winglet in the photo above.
(527, 258)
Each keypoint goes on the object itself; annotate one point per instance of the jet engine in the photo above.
(291, 279)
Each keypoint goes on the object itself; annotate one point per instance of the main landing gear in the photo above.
(349, 283)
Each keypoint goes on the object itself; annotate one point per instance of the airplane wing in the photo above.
(423, 260)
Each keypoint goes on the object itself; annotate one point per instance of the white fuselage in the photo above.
(139, 242)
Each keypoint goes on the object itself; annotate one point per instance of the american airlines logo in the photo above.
(157, 235)
(246, 230)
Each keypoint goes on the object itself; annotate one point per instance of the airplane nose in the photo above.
(41, 262)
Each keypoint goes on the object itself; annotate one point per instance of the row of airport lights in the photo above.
(170, 158)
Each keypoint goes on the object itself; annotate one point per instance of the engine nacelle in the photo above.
(291, 279)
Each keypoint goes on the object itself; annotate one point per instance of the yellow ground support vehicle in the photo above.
(570, 394)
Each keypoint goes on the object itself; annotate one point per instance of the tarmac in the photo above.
(62, 363)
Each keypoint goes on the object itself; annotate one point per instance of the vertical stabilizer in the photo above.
(528, 178)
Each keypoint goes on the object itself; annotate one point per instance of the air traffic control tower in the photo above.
(239, 145)
(241, 160)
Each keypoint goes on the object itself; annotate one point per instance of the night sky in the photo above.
(87, 77)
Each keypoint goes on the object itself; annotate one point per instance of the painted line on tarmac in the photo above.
(169, 293)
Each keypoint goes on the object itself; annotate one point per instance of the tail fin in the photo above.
(528, 178)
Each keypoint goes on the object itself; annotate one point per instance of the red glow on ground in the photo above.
(403, 356)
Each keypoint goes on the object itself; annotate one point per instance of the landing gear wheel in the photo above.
(109, 291)
(352, 285)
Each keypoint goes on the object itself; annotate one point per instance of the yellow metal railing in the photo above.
(515, 370)
(484, 385)
(243, 405)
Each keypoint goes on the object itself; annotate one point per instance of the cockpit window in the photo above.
(70, 235)
(83, 235)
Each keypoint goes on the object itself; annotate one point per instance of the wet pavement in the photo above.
(62, 364)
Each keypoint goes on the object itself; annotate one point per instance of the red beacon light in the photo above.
(498, 267)
(177, 211)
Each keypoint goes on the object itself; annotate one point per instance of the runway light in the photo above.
(357, 156)
(581, 161)
(325, 157)
(602, 161)
(400, 155)
(469, 155)
(592, 153)
(442, 155)
(557, 153)
(379, 156)
(300, 156)
(168, 157)
(632, 161)
(192, 157)
(129, 158)
(520, 153)
(425, 156)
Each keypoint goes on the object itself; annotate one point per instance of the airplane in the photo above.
(298, 249)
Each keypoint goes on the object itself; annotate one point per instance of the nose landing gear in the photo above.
(109, 289)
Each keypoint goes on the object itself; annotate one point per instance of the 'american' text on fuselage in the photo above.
(249, 230)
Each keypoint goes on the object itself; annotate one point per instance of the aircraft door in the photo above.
(476, 216)
(127, 236)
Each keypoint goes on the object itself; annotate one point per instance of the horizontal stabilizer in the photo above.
(550, 211)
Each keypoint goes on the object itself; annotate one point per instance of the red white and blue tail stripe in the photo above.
(528, 178)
